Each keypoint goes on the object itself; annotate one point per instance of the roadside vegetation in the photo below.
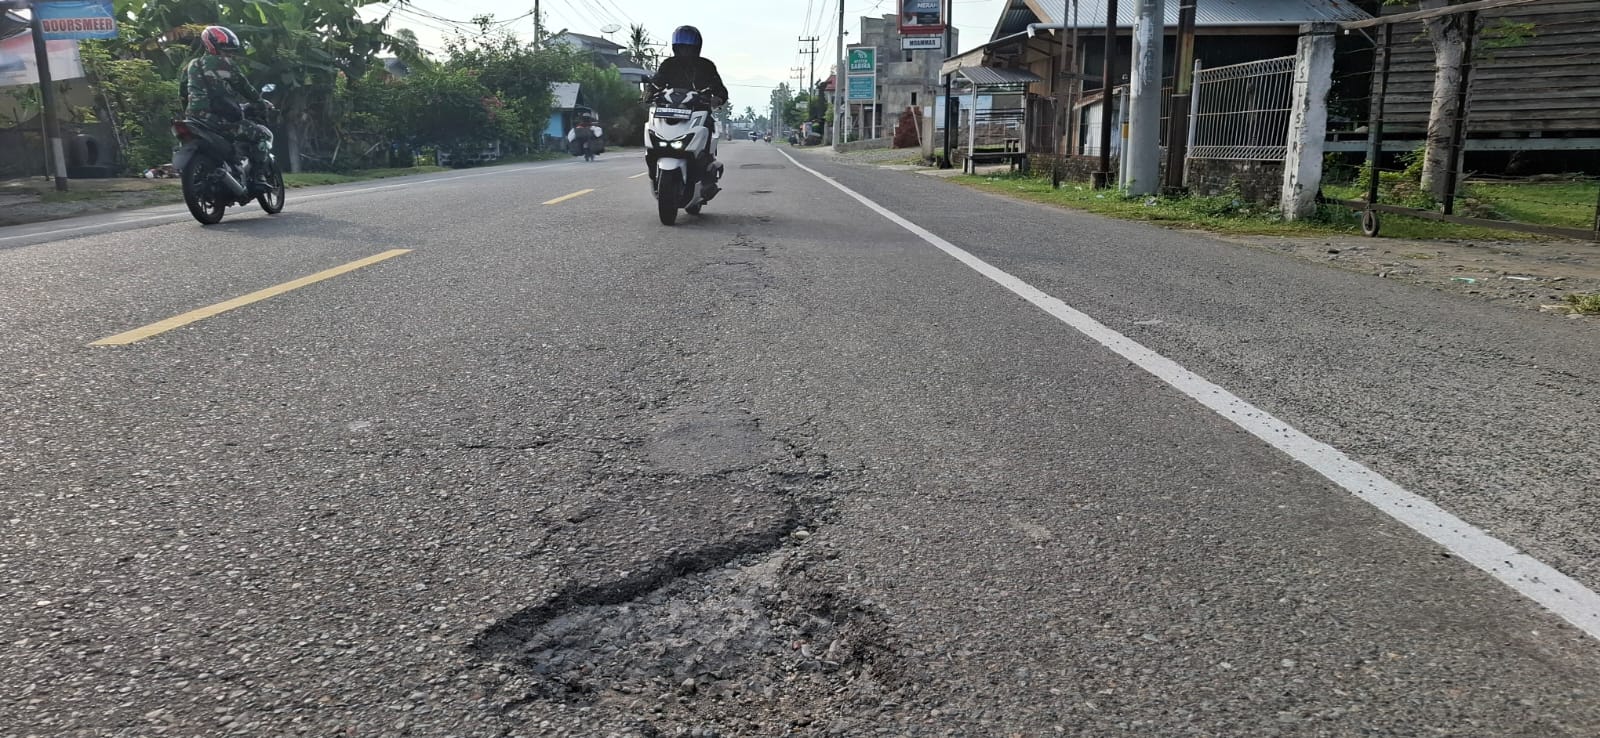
(1221, 214)
(1562, 201)
(356, 92)
(1584, 304)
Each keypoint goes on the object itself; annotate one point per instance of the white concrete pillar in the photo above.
(1144, 92)
(1308, 120)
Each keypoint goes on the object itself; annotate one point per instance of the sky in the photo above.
(753, 42)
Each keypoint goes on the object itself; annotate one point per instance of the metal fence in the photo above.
(996, 128)
(1241, 111)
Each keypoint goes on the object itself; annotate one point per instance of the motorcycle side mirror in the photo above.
(268, 88)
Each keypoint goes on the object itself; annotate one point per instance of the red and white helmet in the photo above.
(219, 40)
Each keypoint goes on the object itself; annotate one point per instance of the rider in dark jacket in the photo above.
(687, 69)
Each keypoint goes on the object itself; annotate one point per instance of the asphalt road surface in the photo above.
(495, 453)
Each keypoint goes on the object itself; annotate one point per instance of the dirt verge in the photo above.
(1534, 275)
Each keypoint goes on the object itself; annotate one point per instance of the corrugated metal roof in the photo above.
(1014, 19)
(566, 94)
(1210, 13)
(994, 76)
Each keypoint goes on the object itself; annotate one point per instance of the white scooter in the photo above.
(681, 152)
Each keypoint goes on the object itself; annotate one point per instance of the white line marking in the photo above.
(1530, 577)
(113, 224)
(107, 224)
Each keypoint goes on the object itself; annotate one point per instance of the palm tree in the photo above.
(641, 47)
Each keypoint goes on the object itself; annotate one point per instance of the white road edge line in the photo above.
(1530, 577)
(355, 191)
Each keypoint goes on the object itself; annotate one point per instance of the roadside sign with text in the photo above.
(863, 59)
(76, 20)
(922, 43)
(921, 17)
(863, 88)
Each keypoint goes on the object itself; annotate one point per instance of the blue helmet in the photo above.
(686, 41)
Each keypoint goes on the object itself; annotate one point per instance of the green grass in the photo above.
(75, 195)
(1224, 214)
(1567, 204)
(1584, 304)
(1563, 204)
(313, 179)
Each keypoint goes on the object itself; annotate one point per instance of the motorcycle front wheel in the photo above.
(272, 201)
(198, 195)
(669, 192)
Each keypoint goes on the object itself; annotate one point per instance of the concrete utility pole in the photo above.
(47, 99)
(1143, 157)
(839, 81)
(949, 99)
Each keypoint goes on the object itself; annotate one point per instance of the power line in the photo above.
(583, 8)
(624, 13)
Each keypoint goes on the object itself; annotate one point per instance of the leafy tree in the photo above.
(443, 108)
(641, 47)
(301, 46)
(615, 101)
(137, 101)
(517, 74)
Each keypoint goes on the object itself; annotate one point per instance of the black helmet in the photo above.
(686, 41)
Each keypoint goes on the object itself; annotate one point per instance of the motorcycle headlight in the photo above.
(678, 144)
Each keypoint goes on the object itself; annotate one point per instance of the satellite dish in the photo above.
(611, 28)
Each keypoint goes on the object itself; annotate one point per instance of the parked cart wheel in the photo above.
(1370, 225)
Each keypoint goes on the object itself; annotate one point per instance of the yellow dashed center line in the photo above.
(564, 198)
(178, 321)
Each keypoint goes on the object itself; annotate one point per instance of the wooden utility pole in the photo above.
(1102, 178)
(812, 52)
(1182, 91)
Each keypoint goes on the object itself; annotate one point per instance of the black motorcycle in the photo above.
(215, 168)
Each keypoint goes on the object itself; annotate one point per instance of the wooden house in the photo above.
(1535, 85)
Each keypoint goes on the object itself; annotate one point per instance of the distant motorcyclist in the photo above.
(584, 138)
(213, 90)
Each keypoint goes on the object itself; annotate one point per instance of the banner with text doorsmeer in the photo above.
(76, 20)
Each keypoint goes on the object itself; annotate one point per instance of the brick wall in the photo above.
(1256, 181)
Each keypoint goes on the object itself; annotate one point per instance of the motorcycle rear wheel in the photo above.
(203, 206)
(669, 192)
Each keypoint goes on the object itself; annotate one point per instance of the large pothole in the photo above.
(753, 648)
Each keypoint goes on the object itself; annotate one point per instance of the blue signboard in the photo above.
(72, 20)
(863, 88)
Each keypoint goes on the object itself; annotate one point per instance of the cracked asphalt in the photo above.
(785, 469)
